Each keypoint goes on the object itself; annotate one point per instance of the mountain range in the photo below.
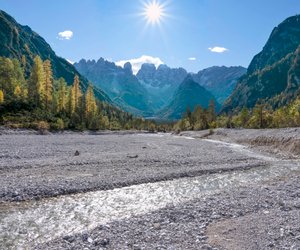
(153, 92)
(119, 83)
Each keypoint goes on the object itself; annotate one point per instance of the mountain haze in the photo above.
(189, 94)
(161, 82)
(220, 81)
(119, 83)
(152, 91)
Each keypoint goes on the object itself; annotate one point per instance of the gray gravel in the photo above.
(262, 215)
(36, 166)
(283, 142)
(265, 217)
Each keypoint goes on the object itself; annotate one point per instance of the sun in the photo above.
(153, 12)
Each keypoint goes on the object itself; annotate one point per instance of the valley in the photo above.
(181, 151)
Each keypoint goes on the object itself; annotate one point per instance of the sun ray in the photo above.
(153, 12)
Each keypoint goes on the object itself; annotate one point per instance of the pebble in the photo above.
(157, 226)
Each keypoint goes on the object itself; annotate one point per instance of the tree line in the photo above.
(41, 102)
(262, 115)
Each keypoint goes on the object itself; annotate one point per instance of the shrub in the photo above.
(58, 125)
(43, 127)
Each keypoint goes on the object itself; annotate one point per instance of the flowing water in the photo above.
(25, 224)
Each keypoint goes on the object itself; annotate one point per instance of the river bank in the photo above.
(284, 142)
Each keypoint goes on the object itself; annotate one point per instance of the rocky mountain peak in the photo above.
(128, 68)
(274, 73)
(284, 39)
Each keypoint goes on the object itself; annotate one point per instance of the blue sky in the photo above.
(115, 29)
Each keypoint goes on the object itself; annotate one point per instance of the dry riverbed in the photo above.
(150, 191)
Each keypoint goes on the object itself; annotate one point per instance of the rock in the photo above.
(84, 237)
(271, 245)
(69, 238)
(281, 232)
(76, 153)
(23, 231)
(203, 238)
(157, 226)
(101, 242)
(297, 205)
(132, 156)
(206, 247)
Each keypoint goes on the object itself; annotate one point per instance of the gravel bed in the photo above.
(265, 217)
(261, 216)
(38, 166)
(284, 142)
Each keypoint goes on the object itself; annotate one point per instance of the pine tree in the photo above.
(91, 109)
(71, 101)
(61, 95)
(75, 97)
(7, 77)
(259, 117)
(77, 91)
(36, 86)
(54, 103)
(244, 117)
(211, 112)
(90, 101)
(19, 82)
(197, 118)
(48, 84)
(11, 78)
(188, 113)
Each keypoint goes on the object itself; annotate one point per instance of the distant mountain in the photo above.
(220, 81)
(153, 89)
(162, 76)
(189, 94)
(119, 83)
(274, 73)
(17, 40)
(164, 81)
(161, 82)
(144, 94)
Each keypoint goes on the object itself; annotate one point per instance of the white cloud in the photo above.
(70, 61)
(217, 49)
(65, 35)
(137, 62)
(192, 58)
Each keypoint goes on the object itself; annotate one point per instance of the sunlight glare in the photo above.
(153, 12)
